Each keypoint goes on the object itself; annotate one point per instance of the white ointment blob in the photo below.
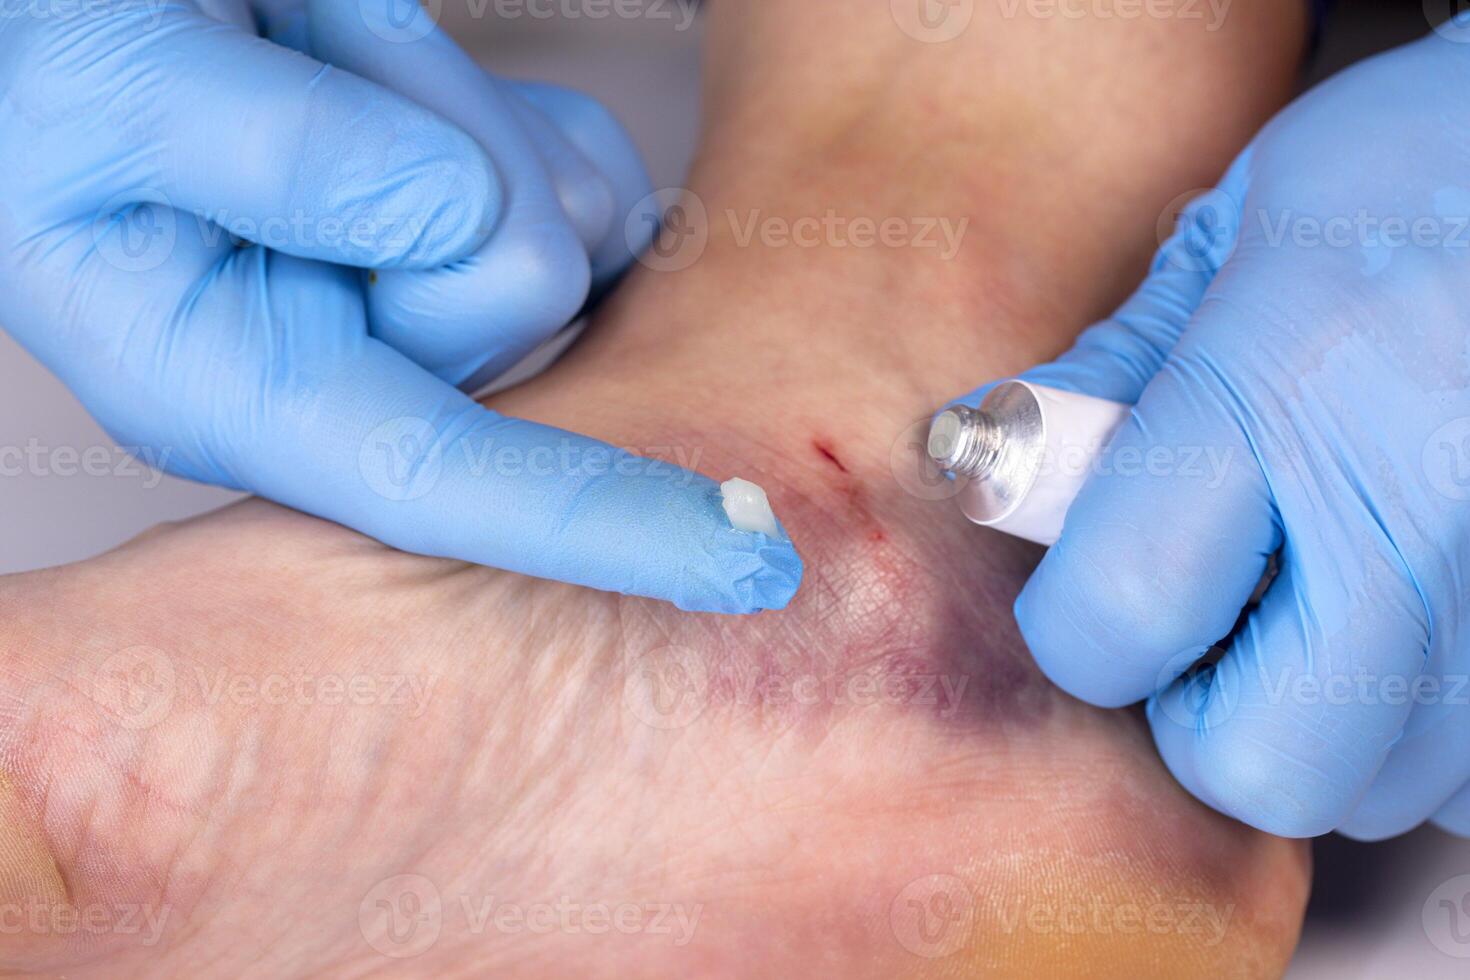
(747, 507)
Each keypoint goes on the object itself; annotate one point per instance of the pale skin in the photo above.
(241, 731)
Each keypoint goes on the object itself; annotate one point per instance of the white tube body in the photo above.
(1052, 441)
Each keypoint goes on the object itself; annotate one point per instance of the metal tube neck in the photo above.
(966, 441)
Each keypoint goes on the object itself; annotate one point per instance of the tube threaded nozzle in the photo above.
(966, 441)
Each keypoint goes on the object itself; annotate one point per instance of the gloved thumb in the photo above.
(1117, 357)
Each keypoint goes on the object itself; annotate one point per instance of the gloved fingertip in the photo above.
(1074, 636)
(1024, 605)
(777, 577)
(1239, 764)
(1032, 619)
(744, 572)
(1368, 830)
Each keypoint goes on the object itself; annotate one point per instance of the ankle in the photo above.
(1044, 132)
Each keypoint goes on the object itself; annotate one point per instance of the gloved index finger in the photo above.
(398, 454)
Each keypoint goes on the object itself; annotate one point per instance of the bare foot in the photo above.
(257, 743)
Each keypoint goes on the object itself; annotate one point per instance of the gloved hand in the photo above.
(134, 134)
(1299, 357)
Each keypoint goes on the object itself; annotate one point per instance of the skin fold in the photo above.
(258, 743)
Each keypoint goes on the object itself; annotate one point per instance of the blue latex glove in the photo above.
(1299, 358)
(130, 133)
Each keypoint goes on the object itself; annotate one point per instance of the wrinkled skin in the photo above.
(876, 782)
